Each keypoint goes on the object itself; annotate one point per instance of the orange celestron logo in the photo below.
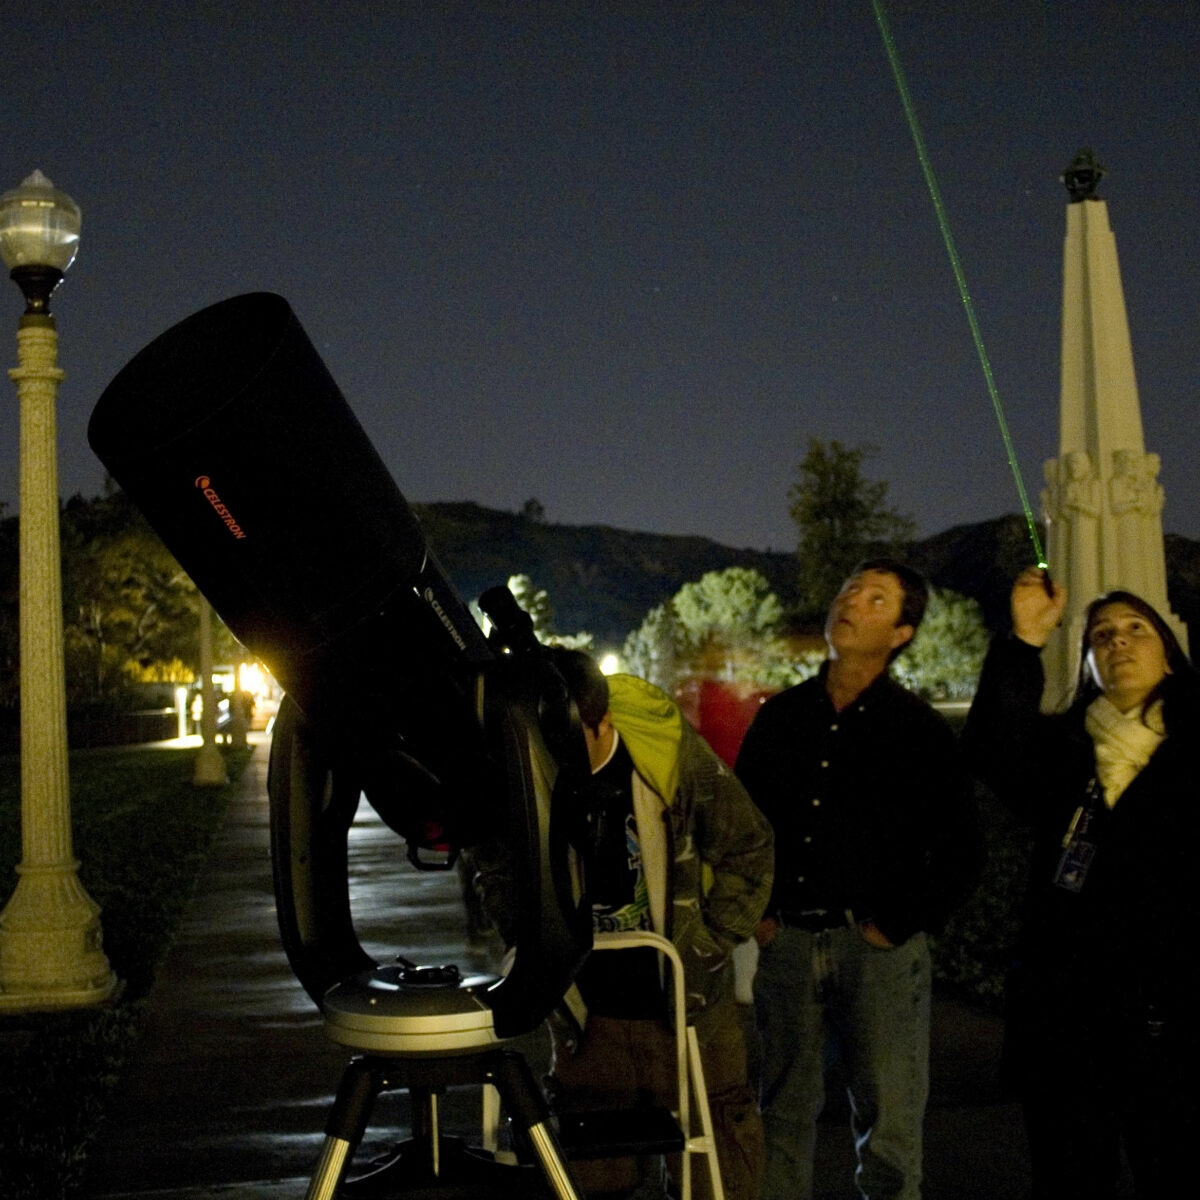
(205, 485)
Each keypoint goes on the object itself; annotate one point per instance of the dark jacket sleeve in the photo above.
(1007, 737)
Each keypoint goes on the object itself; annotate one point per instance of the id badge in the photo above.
(1073, 865)
(1077, 849)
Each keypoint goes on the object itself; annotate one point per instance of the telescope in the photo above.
(231, 436)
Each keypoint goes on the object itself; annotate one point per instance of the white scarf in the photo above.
(1123, 742)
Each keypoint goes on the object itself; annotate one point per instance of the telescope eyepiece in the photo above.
(512, 626)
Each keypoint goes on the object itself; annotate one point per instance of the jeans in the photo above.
(875, 1004)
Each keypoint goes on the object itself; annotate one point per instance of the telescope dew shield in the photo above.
(229, 433)
(231, 436)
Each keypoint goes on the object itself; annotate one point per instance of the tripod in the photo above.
(425, 1029)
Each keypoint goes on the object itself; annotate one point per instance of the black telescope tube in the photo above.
(230, 435)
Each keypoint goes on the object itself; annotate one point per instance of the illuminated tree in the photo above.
(127, 604)
(734, 608)
(725, 625)
(536, 602)
(649, 652)
(945, 658)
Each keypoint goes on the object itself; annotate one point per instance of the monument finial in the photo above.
(1083, 176)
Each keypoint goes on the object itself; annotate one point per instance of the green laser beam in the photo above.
(939, 208)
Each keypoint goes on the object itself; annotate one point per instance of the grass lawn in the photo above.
(141, 831)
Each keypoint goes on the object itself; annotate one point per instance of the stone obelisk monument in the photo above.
(1103, 502)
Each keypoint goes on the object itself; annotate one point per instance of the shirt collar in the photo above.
(611, 751)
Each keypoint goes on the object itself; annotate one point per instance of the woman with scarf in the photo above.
(1101, 1033)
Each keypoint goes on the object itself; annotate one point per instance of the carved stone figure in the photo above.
(1125, 487)
(1081, 490)
(1136, 499)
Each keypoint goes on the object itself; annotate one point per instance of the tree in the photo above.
(725, 624)
(534, 510)
(649, 652)
(945, 658)
(727, 611)
(130, 612)
(122, 607)
(536, 602)
(841, 517)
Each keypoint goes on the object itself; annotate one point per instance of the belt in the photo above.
(816, 920)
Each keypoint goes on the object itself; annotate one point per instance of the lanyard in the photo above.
(1078, 848)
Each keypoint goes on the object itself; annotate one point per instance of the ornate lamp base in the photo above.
(50, 944)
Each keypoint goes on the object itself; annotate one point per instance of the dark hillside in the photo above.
(1183, 582)
(979, 560)
(982, 560)
(599, 579)
(605, 580)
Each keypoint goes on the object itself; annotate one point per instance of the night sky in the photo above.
(627, 258)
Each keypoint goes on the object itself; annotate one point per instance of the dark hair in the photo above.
(914, 593)
(585, 681)
(1180, 687)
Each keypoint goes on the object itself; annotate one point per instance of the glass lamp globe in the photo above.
(39, 226)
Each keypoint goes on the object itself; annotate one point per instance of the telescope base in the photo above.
(406, 1010)
(431, 1164)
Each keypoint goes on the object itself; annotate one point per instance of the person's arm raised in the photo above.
(1036, 613)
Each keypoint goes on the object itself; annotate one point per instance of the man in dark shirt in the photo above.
(876, 841)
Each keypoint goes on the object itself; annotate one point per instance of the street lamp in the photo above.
(50, 939)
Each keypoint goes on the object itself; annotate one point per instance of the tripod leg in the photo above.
(427, 1124)
(331, 1169)
(356, 1095)
(531, 1115)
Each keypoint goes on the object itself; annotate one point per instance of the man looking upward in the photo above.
(875, 843)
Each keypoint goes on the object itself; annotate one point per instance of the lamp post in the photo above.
(50, 939)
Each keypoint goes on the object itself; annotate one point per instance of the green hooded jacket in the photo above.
(707, 852)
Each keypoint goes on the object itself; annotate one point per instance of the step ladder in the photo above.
(686, 1130)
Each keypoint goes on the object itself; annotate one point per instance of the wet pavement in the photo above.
(228, 1090)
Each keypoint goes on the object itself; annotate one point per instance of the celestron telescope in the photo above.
(231, 436)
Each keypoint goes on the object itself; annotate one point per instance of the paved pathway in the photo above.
(228, 1091)
(231, 1082)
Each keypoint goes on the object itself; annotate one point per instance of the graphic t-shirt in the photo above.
(623, 983)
